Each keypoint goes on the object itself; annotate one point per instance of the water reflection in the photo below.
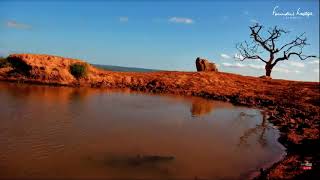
(65, 95)
(200, 107)
(259, 130)
(44, 93)
(60, 132)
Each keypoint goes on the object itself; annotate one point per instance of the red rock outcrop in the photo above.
(205, 65)
(44, 67)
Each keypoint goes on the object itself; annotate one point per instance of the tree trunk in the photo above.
(268, 70)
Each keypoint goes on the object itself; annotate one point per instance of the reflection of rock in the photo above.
(205, 65)
(201, 107)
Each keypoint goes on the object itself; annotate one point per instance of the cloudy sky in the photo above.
(166, 35)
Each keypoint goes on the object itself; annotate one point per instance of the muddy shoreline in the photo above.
(292, 106)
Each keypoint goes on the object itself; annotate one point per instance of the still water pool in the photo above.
(60, 132)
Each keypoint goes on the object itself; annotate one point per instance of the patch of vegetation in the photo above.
(79, 70)
(4, 62)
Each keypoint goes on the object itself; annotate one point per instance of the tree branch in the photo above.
(287, 56)
(299, 41)
(255, 35)
(248, 52)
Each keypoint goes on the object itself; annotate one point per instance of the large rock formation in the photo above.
(43, 67)
(205, 65)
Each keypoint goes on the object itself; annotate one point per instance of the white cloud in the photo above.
(181, 20)
(238, 56)
(296, 64)
(253, 66)
(237, 65)
(16, 25)
(279, 69)
(314, 62)
(285, 70)
(226, 64)
(254, 21)
(316, 70)
(260, 67)
(124, 19)
(225, 56)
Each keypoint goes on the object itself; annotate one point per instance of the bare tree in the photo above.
(269, 45)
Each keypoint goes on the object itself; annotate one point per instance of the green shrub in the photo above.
(79, 70)
(4, 62)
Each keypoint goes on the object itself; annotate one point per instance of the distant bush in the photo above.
(4, 62)
(79, 70)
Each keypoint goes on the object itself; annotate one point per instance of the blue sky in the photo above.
(166, 35)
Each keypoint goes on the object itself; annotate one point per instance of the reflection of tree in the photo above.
(241, 119)
(200, 107)
(258, 130)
